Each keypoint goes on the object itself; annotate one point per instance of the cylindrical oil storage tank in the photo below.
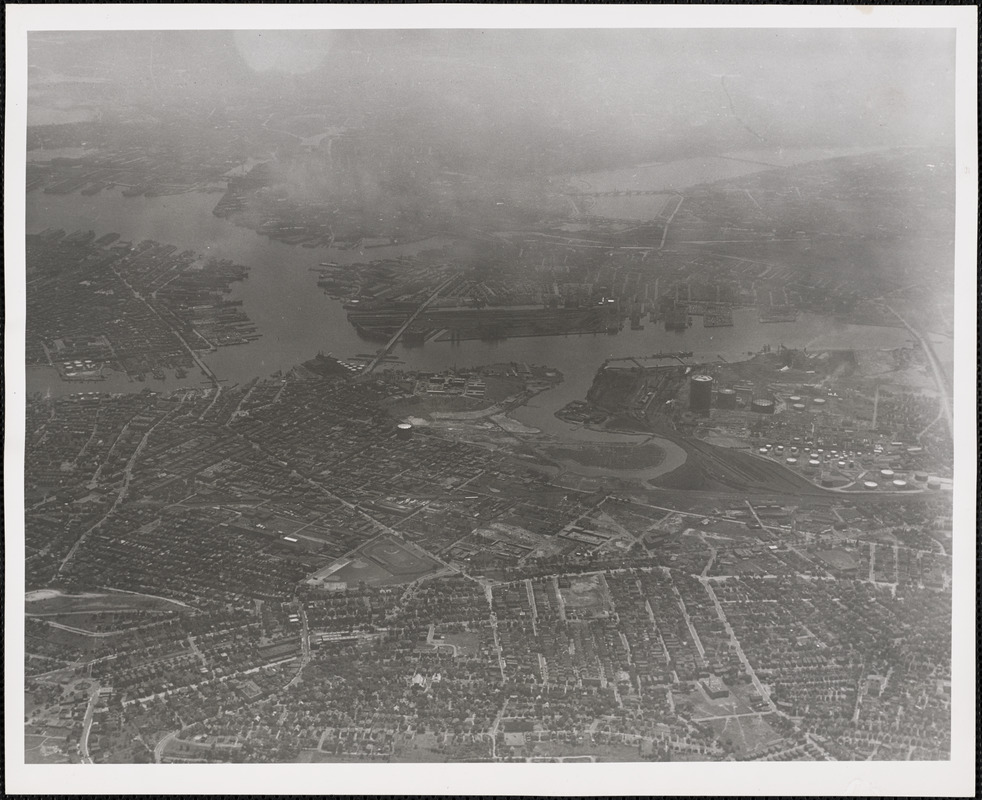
(920, 477)
(791, 460)
(899, 484)
(762, 406)
(934, 483)
(887, 474)
(840, 464)
(818, 401)
(700, 393)
(795, 398)
(798, 406)
(814, 463)
(726, 398)
(404, 430)
(762, 450)
(870, 484)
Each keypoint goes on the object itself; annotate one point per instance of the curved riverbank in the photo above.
(646, 461)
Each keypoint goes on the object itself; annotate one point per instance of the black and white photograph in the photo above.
(425, 399)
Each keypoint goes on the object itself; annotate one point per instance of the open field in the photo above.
(39, 749)
(635, 207)
(587, 596)
(600, 752)
(468, 643)
(104, 622)
(746, 735)
(611, 456)
(384, 561)
(51, 602)
(358, 570)
(703, 706)
(398, 558)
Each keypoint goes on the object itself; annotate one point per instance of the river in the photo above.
(671, 176)
(297, 320)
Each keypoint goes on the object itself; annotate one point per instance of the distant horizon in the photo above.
(873, 83)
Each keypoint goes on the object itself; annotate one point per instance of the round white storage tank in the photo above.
(762, 406)
(870, 484)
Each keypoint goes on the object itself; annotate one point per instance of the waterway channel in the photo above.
(297, 320)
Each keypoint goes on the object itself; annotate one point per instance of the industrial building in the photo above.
(762, 406)
(700, 393)
(726, 399)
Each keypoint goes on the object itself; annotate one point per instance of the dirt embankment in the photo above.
(708, 467)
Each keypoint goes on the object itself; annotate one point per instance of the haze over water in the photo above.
(297, 320)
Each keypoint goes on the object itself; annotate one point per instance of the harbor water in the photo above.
(297, 320)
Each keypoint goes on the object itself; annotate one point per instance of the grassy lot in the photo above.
(610, 456)
(94, 603)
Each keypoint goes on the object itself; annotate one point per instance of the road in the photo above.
(737, 647)
(664, 233)
(304, 647)
(174, 329)
(127, 477)
(158, 751)
(494, 731)
(83, 745)
(494, 632)
(94, 634)
(395, 338)
(932, 359)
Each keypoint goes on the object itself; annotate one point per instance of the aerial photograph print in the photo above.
(496, 395)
